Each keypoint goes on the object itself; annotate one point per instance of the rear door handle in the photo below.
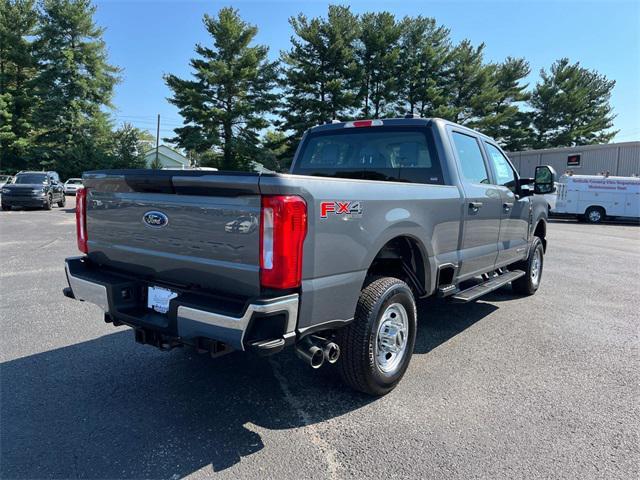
(475, 206)
(507, 206)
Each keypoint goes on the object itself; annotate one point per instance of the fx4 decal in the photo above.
(340, 208)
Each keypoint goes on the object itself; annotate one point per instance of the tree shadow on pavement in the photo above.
(109, 408)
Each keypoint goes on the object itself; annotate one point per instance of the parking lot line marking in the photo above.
(327, 450)
(30, 272)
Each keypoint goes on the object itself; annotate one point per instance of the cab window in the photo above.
(505, 175)
(472, 164)
(400, 154)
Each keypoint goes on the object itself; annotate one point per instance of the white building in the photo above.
(168, 158)
(619, 159)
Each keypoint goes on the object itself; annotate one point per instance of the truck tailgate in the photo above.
(192, 228)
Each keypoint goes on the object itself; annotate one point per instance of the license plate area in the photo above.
(158, 299)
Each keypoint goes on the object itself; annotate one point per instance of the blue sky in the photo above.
(148, 38)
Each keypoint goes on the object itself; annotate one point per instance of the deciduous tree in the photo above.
(18, 20)
(128, 146)
(274, 147)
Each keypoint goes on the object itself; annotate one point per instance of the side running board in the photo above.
(487, 286)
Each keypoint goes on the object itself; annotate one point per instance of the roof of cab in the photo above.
(396, 122)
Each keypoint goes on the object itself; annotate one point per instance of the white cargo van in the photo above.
(596, 197)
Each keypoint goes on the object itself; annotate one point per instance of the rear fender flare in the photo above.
(413, 232)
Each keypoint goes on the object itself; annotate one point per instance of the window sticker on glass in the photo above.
(502, 170)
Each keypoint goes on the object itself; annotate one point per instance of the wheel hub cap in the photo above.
(391, 338)
(536, 266)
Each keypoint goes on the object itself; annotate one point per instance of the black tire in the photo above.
(358, 364)
(529, 283)
(6, 208)
(62, 202)
(49, 204)
(594, 214)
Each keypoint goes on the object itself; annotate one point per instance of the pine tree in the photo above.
(470, 89)
(424, 53)
(75, 82)
(571, 106)
(503, 118)
(223, 106)
(17, 71)
(321, 76)
(378, 53)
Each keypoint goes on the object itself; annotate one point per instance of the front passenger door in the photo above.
(59, 187)
(54, 188)
(516, 210)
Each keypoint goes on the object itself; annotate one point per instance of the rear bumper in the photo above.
(191, 315)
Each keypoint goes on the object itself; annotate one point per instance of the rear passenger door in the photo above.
(482, 210)
(516, 211)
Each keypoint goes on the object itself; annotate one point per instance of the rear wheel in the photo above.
(594, 214)
(62, 201)
(532, 266)
(6, 207)
(377, 346)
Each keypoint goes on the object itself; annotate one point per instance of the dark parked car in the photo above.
(33, 189)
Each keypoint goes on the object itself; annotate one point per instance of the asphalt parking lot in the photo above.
(546, 386)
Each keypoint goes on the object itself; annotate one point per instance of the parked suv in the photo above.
(33, 189)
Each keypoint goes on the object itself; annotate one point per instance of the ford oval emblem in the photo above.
(155, 219)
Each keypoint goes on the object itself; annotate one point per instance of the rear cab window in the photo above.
(400, 154)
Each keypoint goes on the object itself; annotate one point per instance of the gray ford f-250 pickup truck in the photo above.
(329, 258)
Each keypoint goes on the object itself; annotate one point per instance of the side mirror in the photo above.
(544, 181)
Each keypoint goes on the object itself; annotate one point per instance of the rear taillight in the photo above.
(283, 227)
(81, 219)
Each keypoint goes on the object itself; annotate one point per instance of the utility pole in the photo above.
(157, 141)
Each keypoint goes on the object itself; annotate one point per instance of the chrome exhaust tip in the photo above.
(310, 353)
(331, 352)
